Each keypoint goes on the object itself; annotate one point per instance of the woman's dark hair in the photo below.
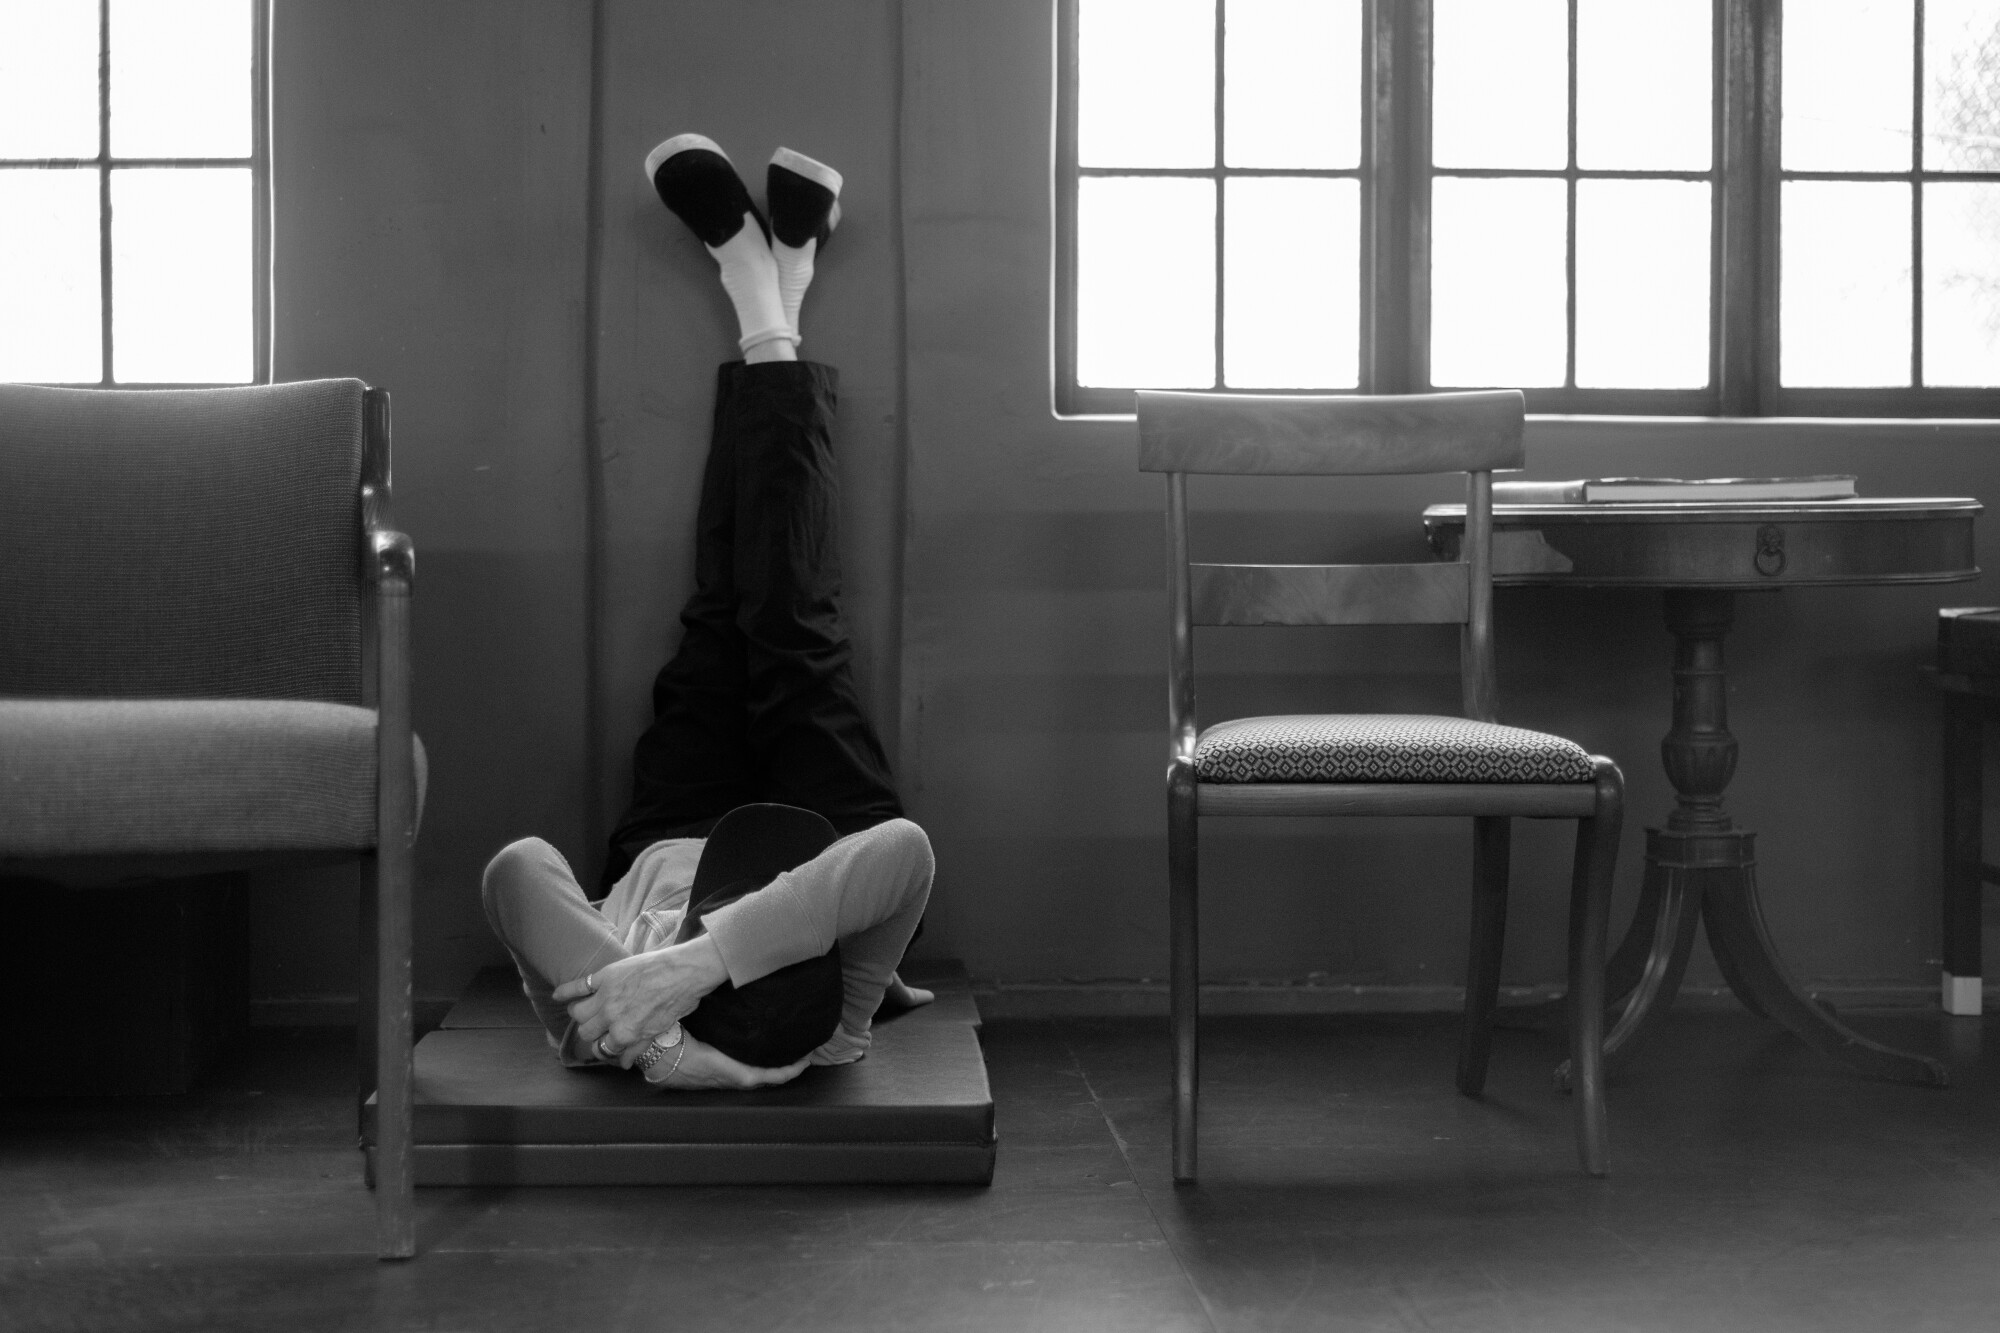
(782, 1017)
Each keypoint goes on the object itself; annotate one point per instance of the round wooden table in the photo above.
(1700, 866)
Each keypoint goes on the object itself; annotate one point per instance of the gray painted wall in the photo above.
(429, 172)
(434, 168)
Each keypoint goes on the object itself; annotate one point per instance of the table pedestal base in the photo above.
(1701, 868)
(1712, 879)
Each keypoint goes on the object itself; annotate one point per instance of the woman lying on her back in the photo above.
(763, 884)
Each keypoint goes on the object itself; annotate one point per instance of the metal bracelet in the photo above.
(657, 1051)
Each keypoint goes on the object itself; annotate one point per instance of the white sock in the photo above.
(795, 274)
(750, 276)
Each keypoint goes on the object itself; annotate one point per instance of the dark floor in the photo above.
(1345, 1186)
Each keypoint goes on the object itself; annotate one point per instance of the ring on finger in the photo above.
(602, 1052)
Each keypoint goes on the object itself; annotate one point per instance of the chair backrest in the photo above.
(1329, 435)
(182, 542)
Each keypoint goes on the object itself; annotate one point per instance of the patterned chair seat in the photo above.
(1383, 747)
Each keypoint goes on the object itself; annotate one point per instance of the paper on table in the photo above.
(1630, 490)
(1538, 492)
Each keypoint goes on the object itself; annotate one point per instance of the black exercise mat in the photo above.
(494, 1107)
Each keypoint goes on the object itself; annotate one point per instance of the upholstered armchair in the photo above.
(205, 666)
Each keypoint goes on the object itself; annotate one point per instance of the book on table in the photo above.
(1656, 490)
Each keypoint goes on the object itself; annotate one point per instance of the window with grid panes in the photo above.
(1692, 206)
(133, 192)
(1889, 195)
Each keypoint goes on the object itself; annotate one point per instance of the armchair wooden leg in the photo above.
(1184, 966)
(1492, 841)
(1589, 916)
(364, 1011)
(395, 1200)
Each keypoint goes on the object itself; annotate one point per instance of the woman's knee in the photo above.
(515, 869)
(904, 844)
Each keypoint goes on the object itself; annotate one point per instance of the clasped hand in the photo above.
(638, 998)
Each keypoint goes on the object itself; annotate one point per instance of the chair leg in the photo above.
(395, 1199)
(1589, 916)
(1492, 841)
(1963, 762)
(1184, 965)
(364, 1016)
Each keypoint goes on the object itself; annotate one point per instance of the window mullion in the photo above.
(1384, 221)
(1917, 197)
(1739, 291)
(1569, 241)
(1069, 397)
(1221, 212)
(1414, 79)
(1766, 18)
(264, 353)
(104, 189)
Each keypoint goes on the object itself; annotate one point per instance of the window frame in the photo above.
(1395, 178)
(103, 162)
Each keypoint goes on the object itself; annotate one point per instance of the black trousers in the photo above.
(759, 703)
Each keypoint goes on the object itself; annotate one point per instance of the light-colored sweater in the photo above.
(867, 891)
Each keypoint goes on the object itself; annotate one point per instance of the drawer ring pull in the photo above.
(1770, 558)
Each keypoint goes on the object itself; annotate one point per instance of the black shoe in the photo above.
(695, 180)
(804, 197)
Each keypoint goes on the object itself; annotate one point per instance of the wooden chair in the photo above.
(1366, 764)
(205, 667)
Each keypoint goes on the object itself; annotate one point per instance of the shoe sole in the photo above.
(680, 143)
(817, 172)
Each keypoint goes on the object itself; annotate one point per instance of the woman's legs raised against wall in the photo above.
(759, 702)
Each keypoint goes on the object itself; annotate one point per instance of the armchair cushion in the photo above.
(181, 543)
(1383, 747)
(168, 776)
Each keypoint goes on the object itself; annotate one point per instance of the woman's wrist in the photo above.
(673, 1041)
(703, 960)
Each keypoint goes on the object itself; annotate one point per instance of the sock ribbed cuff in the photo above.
(762, 336)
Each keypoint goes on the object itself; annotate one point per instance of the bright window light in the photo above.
(1642, 284)
(1274, 195)
(180, 78)
(1961, 85)
(1844, 284)
(1291, 308)
(1498, 291)
(1643, 84)
(1962, 284)
(1500, 83)
(48, 78)
(129, 191)
(1145, 301)
(1292, 83)
(1146, 83)
(1847, 85)
(181, 286)
(49, 326)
